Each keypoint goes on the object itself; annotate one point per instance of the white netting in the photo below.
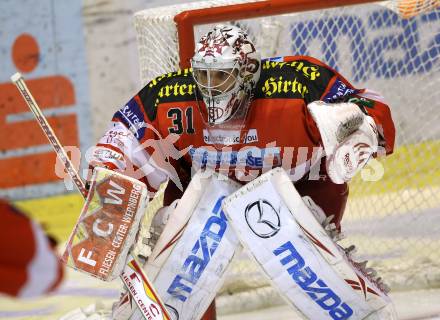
(395, 221)
(157, 37)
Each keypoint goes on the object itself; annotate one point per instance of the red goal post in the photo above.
(186, 20)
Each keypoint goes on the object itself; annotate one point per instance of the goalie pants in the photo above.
(331, 197)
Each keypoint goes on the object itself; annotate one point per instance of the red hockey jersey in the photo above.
(29, 265)
(161, 127)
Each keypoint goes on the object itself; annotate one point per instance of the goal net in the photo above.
(393, 213)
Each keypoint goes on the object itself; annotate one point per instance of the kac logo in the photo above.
(262, 218)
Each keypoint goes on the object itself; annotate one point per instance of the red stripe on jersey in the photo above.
(110, 146)
(17, 248)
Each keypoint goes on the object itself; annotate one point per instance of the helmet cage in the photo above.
(213, 88)
(220, 84)
(216, 82)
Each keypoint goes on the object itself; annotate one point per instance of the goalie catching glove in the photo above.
(349, 137)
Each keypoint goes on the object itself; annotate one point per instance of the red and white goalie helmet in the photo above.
(226, 68)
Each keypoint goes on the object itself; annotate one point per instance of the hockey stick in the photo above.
(142, 290)
(18, 80)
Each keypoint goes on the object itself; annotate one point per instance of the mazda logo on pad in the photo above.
(262, 218)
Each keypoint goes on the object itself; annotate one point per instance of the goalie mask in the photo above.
(226, 68)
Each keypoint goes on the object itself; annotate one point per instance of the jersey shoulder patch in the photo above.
(296, 77)
(170, 87)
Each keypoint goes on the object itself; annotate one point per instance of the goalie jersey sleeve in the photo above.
(299, 80)
(128, 144)
(329, 86)
(152, 138)
(29, 265)
(139, 142)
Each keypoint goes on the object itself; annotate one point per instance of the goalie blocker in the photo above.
(107, 226)
(301, 261)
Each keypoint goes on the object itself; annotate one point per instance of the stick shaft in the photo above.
(48, 131)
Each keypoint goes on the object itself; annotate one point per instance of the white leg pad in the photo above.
(302, 262)
(189, 261)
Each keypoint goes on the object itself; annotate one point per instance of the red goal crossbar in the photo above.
(186, 20)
